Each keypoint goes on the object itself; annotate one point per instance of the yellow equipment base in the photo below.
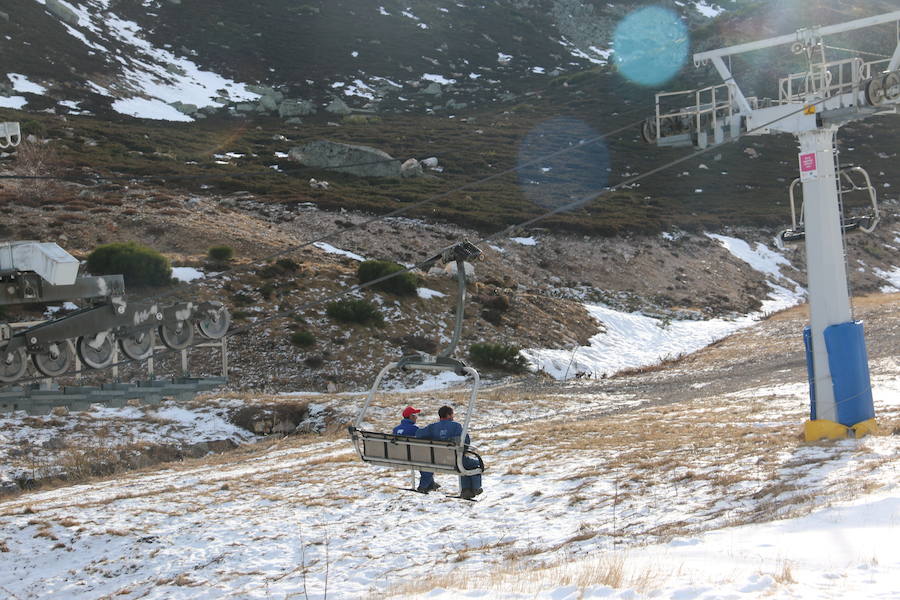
(829, 430)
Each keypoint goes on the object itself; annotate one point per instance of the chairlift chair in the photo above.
(849, 184)
(404, 452)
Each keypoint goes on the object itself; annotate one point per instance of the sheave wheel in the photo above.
(96, 354)
(891, 86)
(178, 335)
(214, 325)
(55, 360)
(137, 346)
(875, 91)
(12, 364)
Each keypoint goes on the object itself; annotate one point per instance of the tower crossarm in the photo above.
(803, 36)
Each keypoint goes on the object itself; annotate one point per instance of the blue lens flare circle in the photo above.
(561, 161)
(651, 45)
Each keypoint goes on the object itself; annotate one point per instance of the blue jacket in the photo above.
(406, 427)
(446, 430)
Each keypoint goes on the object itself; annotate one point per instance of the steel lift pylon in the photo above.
(812, 105)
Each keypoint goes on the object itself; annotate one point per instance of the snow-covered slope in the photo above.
(711, 484)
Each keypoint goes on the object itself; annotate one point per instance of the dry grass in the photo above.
(521, 577)
(785, 574)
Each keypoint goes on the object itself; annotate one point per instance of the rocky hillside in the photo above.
(295, 59)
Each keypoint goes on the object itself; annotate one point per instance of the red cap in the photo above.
(409, 411)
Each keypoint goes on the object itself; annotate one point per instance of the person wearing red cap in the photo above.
(409, 428)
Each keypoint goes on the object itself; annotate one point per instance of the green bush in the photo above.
(497, 356)
(280, 268)
(139, 265)
(355, 311)
(287, 265)
(304, 339)
(404, 284)
(220, 253)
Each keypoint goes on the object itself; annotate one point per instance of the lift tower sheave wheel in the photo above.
(214, 324)
(12, 364)
(178, 335)
(811, 105)
(96, 351)
(137, 346)
(54, 360)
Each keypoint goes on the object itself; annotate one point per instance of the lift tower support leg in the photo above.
(837, 364)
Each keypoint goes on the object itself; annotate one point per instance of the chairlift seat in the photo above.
(849, 224)
(405, 452)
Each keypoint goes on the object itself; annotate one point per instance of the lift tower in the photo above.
(812, 105)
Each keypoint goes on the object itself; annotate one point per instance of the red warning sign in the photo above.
(808, 168)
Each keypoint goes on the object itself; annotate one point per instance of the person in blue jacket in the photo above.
(449, 430)
(409, 428)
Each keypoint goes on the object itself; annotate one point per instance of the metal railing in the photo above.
(711, 104)
(829, 79)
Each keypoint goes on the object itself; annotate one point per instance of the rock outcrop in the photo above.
(362, 161)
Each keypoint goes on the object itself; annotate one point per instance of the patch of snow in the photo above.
(504, 58)
(525, 241)
(438, 79)
(439, 381)
(383, 11)
(187, 274)
(20, 83)
(538, 70)
(332, 250)
(14, 102)
(427, 294)
(52, 310)
(636, 340)
(631, 340)
(765, 261)
(706, 10)
(579, 53)
(386, 80)
(760, 258)
(361, 89)
(892, 277)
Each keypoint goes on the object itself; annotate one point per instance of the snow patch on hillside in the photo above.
(636, 340)
(892, 277)
(630, 340)
(155, 76)
(22, 84)
(14, 102)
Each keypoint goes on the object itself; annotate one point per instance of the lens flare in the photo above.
(651, 45)
(559, 163)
